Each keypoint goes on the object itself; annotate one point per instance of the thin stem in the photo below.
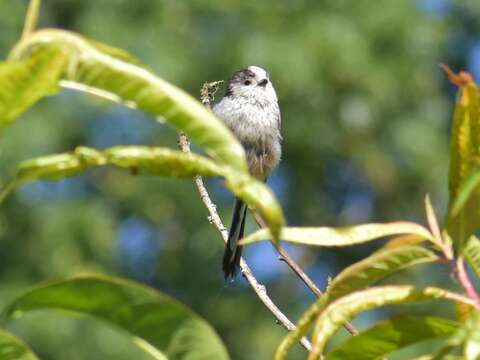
(445, 245)
(303, 325)
(285, 257)
(215, 220)
(464, 280)
(261, 291)
(31, 18)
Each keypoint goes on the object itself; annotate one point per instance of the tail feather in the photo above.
(233, 251)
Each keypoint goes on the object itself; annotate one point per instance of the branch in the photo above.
(215, 220)
(285, 257)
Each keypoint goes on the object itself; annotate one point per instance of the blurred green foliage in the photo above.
(365, 113)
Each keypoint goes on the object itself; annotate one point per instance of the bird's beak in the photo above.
(263, 82)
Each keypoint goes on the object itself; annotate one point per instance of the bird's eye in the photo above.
(247, 82)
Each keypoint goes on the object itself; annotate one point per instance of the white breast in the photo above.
(249, 120)
(257, 126)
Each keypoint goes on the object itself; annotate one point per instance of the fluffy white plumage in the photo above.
(250, 109)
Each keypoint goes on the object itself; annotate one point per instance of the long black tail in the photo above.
(233, 251)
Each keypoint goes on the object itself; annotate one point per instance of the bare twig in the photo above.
(261, 291)
(208, 91)
(215, 220)
(285, 257)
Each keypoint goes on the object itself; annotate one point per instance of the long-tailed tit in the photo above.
(250, 109)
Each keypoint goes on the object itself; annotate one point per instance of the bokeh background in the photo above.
(366, 120)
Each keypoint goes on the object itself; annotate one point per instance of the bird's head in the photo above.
(252, 81)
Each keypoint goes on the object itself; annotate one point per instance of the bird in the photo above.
(250, 110)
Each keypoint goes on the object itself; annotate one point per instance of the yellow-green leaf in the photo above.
(59, 166)
(471, 337)
(12, 348)
(151, 160)
(466, 191)
(377, 266)
(344, 236)
(259, 197)
(403, 240)
(467, 337)
(471, 252)
(161, 326)
(162, 161)
(155, 161)
(112, 73)
(347, 307)
(24, 82)
(392, 335)
(90, 68)
(329, 319)
(464, 213)
(464, 311)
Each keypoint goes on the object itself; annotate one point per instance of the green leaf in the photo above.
(150, 160)
(112, 73)
(59, 166)
(162, 161)
(471, 252)
(23, 83)
(160, 325)
(463, 211)
(92, 69)
(347, 307)
(468, 331)
(471, 337)
(259, 197)
(392, 335)
(466, 191)
(443, 357)
(345, 236)
(403, 240)
(301, 328)
(12, 348)
(377, 266)
(467, 337)
(463, 312)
